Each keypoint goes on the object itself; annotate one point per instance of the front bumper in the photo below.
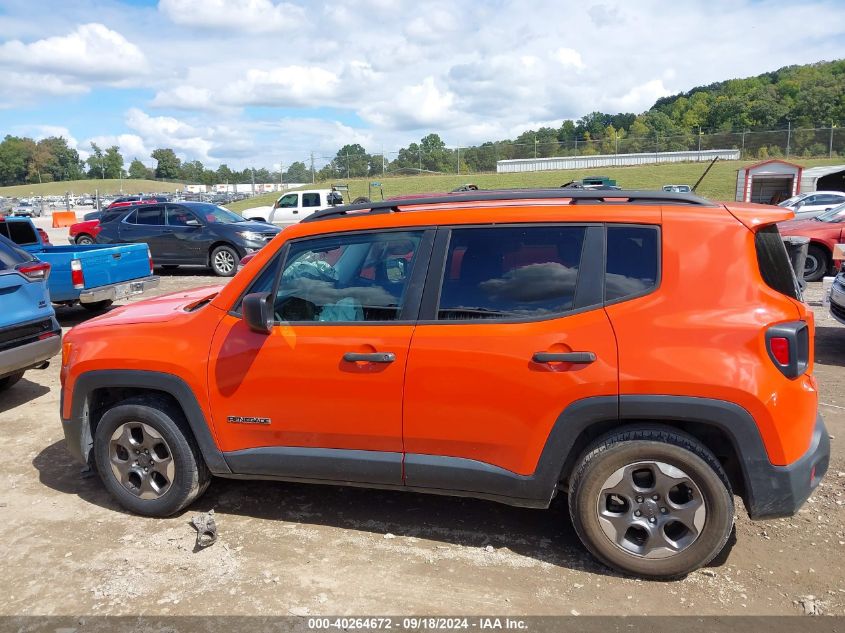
(27, 356)
(122, 290)
(779, 491)
(837, 298)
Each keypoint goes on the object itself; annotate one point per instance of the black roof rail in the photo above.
(577, 196)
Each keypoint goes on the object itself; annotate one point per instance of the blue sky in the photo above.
(259, 82)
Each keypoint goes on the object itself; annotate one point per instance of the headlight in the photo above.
(252, 236)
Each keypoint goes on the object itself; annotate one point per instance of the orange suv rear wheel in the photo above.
(652, 502)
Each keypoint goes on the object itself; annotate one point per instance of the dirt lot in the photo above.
(298, 549)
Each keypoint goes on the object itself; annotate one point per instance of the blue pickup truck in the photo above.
(94, 276)
(29, 333)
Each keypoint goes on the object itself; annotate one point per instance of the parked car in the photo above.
(94, 276)
(810, 204)
(500, 345)
(188, 233)
(824, 230)
(29, 332)
(678, 188)
(27, 209)
(294, 206)
(837, 297)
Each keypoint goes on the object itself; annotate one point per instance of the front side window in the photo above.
(632, 261)
(289, 201)
(310, 199)
(362, 277)
(510, 272)
(180, 216)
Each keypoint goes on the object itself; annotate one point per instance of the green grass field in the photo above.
(720, 183)
(77, 187)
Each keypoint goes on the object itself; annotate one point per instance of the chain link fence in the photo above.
(790, 143)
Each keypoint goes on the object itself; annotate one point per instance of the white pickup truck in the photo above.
(292, 207)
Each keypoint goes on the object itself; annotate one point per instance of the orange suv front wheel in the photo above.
(651, 502)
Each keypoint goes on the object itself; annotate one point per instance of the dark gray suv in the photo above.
(196, 233)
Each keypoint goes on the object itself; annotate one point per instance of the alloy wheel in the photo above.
(651, 509)
(141, 460)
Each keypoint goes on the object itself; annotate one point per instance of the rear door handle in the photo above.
(580, 358)
(375, 357)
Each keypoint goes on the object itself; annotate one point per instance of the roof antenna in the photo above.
(713, 162)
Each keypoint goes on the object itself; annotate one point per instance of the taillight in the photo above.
(34, 271)
(150, 258)
(779, 347)
(77, 278)
(788, 345)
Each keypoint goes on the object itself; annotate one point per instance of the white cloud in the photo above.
(640, 97)
(92, 51)
(280, 87)
(250, 16)
(423, 104)
(569, 57)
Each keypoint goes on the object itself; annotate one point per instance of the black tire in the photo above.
(98, 306)
(361, 200)
(606, 457)
(191, 476)
(84, 240)
(169, 266)
(7, 381)
(224, 261)
(816, 264)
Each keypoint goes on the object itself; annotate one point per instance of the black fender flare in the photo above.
(78, 428)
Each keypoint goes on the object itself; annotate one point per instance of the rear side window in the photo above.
(511, 272)
(632, 261)
(152, 215)
(774, 262)
(310, 199)
(11, 255)
(22, 233)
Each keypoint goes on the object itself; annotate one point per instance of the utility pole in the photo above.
(458, 153)
(830, 148)
(616, 140)
(382, 159)
(312, 168)
(347, 164)
(252, 171)
(742, 151)
(535, 147)
(419, 156)
(281, 176)
(788, 136)
(699, 140)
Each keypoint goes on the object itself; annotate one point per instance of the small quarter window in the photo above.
(632, 261)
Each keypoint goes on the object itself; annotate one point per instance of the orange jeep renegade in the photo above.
(647, 353)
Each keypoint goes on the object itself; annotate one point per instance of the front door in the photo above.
(514, 332)
(185, 241)
(320, 397)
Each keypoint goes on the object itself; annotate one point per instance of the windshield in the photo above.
(836, 214)
(212, 213)
(791, 201)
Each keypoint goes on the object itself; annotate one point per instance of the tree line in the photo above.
(725, 113)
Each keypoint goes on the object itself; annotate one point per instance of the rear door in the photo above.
(512, 331)
(146, 225)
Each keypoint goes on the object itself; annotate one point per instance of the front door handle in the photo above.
(579, 358)
(375, 357)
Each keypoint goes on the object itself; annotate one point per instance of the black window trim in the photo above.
(657, 282)
(590, 272)
(140, 207)
(413, 294)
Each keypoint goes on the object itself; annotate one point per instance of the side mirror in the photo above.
(257, 312)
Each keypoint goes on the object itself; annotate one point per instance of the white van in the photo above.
(291, 207)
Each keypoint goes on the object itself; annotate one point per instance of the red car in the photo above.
(824, 231)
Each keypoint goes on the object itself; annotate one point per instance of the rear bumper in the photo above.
(122, 290)
(779, 491)
(29, 355)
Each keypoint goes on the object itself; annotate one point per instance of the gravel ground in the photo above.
(298, 549)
